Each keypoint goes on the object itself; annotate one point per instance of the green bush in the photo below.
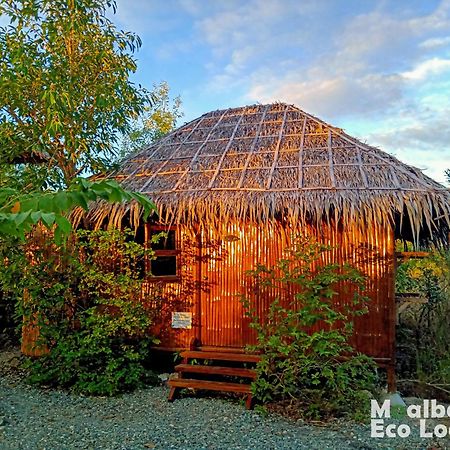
(423, 334)
(86, 299)
(304, 339)
(11, 279)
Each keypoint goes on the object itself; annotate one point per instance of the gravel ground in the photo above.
(36, 419)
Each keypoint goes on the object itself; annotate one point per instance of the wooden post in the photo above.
(31, 332)
(198, 296)
(173, 394)
(249, 401)
(392, 316)
(391, 378)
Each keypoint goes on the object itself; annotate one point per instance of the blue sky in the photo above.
(378, 69)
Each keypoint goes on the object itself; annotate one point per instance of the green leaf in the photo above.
(52, 87)
(58, 236)
(79, 199)
(63, 200)
(116, 195)
(21, 218)
(36, 216)
(47, 203)
(48, 219)
(64, 225)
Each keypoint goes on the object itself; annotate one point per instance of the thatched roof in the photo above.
(260, 161)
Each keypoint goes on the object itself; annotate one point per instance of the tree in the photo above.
(21, 211)
(64, 84)
(26, 176)
(157, 120)
(65, 97)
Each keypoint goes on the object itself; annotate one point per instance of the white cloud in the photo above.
(422, 71)
(265, 26)
(241, 23)
(420, 138)
(192, 7)
(332, 97)
(380, 71)
(435, 43)
(367, 67)
(426, 133)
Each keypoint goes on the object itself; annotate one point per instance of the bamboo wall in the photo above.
(214, 279)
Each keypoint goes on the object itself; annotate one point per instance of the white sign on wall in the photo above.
(182, 320)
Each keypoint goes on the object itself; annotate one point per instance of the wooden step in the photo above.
(217, 370)
(209, 385)
(221, 356)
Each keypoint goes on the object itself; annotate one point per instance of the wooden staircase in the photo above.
(212, 376)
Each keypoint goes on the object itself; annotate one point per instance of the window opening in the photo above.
(165, 263)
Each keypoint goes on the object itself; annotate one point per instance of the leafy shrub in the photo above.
(304, 339)
(424, 330)
(10, 278)
(424, 276)
(86, 299)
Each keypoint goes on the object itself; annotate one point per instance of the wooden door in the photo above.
(221, 308)
(226, 257)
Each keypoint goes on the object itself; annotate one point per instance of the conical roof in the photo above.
(262, 160)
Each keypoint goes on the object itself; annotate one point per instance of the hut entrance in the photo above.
(222, 272)
(227, 255)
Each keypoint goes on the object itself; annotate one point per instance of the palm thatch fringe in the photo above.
(361, 209)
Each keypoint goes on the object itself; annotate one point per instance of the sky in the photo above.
(378, 69)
